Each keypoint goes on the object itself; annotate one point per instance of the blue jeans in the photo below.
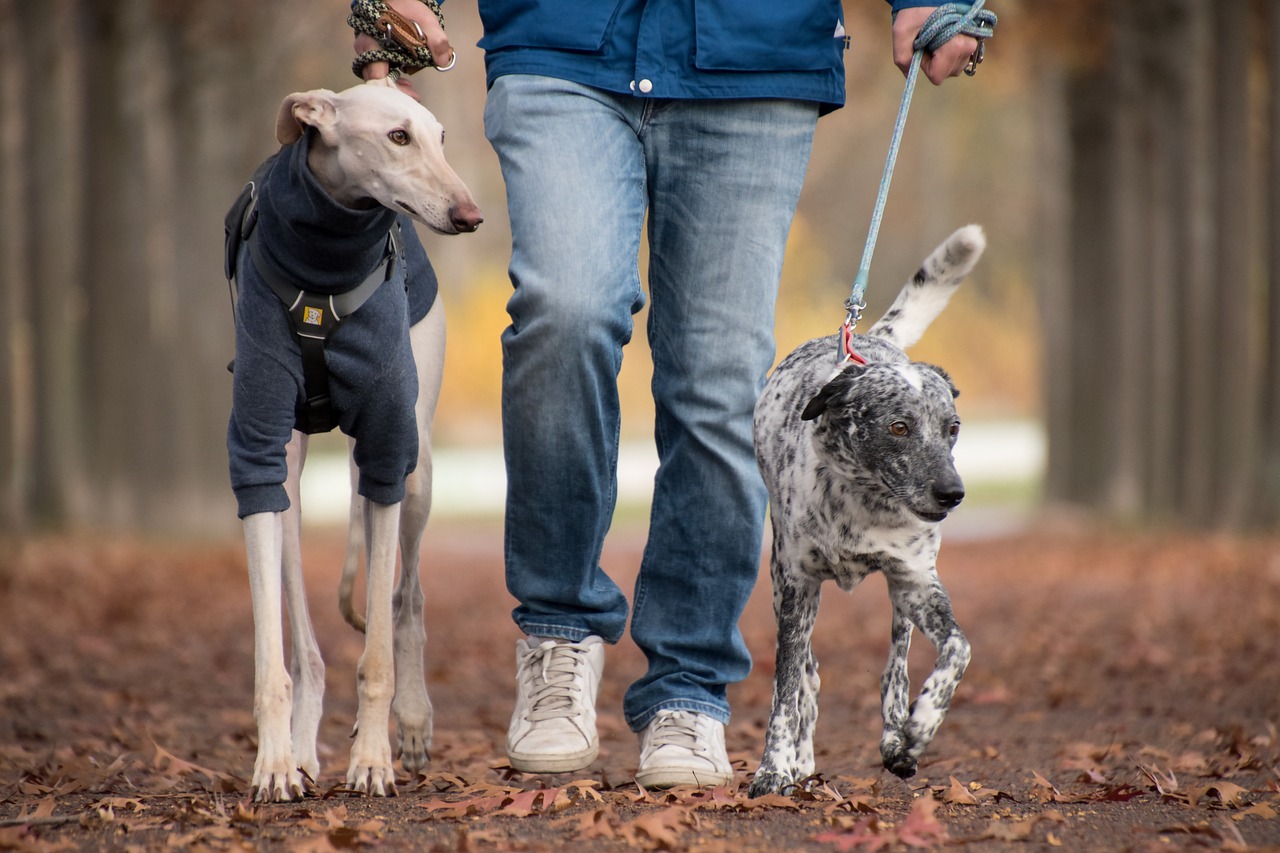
(719, 181)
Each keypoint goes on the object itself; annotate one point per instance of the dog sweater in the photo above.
(325, 247)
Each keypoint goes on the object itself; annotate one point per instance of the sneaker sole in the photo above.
(558, 763)
(670, 777)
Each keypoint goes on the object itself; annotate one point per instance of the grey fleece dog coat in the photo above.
(324, 247)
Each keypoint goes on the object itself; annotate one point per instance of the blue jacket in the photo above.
(676, 48)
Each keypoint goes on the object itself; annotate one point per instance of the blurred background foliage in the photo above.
(1121, 156)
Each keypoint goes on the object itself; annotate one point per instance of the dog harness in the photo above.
(313, 316)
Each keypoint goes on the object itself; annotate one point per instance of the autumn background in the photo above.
(1120, 157)
(1116, 565)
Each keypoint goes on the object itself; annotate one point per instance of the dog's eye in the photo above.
(399, 136)
(954, 430)
(899, 428)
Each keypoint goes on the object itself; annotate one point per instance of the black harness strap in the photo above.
(313, 316)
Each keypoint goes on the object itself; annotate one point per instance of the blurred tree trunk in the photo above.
(1164, 389)
(53, 154)
(15, 333)
(1268, 496)
(122, 148)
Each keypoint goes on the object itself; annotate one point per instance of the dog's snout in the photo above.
(466, 216)
(948, 493)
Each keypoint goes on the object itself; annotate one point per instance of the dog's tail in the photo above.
(928, 292)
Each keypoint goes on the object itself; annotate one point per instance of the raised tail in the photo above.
(924, 297)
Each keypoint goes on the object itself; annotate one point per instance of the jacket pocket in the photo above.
(794, 35)
(556, 24)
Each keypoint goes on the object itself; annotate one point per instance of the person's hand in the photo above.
(437, 42)
(948, 61)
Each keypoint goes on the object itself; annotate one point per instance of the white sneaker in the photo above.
(553, 729)
(683, 748)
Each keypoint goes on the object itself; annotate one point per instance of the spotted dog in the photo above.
(860, 473)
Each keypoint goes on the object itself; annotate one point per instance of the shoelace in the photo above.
(557, 694)
(677, 728)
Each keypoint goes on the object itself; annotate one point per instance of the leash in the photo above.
(403, 44)
(947, 21)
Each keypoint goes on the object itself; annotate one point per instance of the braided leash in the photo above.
(947, 21)
(405, 51)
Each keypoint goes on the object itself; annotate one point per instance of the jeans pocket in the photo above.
(735, 36)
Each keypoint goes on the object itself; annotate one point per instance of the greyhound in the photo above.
(366, 160)
(859, 470)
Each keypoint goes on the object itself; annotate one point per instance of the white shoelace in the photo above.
(553, 679)
(679, 729)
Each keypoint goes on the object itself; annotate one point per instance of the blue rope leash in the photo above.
(947, 21)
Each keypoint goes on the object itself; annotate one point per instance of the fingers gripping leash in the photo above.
(403, 43)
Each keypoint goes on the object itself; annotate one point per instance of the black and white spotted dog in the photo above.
(860, 472)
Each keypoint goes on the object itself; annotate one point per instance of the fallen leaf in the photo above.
(1228, 793)
(955, 793)
(869, 832)
(921, 828)
(1261, 810)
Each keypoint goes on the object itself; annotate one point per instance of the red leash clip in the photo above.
(847, 352)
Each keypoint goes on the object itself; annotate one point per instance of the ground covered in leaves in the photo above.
(1124, 695)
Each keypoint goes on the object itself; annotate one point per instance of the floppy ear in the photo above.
(955, 392)
(317, 108)
(833, 389)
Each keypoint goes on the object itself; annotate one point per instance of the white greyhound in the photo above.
(372, 142)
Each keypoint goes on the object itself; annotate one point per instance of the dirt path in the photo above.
(1124, 695)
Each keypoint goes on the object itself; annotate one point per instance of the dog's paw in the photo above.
(278, 785)
(414, 749)
(375, 781)
(896, 754)
(413, 736)
(767, 782)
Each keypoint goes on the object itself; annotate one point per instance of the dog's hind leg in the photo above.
(354, 551)
(370, 770)
(922, 600)
(412, 705)
(275, 773)
(305, 665)
(788, 745)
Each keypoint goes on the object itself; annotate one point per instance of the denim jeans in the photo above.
(719, 181)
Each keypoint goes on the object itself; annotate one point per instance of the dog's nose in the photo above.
(466, 216)
(948, 493)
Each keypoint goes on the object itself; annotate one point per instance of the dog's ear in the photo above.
(833, 389)
(317, 108)
(946, 377)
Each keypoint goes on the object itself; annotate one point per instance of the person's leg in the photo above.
(724, 177)
(575, 191)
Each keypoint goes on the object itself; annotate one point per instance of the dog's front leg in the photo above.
(275, 773)
(895, 687)
(370, 769)
(306, 667)
(788, 745)
(924, 601)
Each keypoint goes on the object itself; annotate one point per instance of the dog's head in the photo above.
(375, 142)
(890, 428)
